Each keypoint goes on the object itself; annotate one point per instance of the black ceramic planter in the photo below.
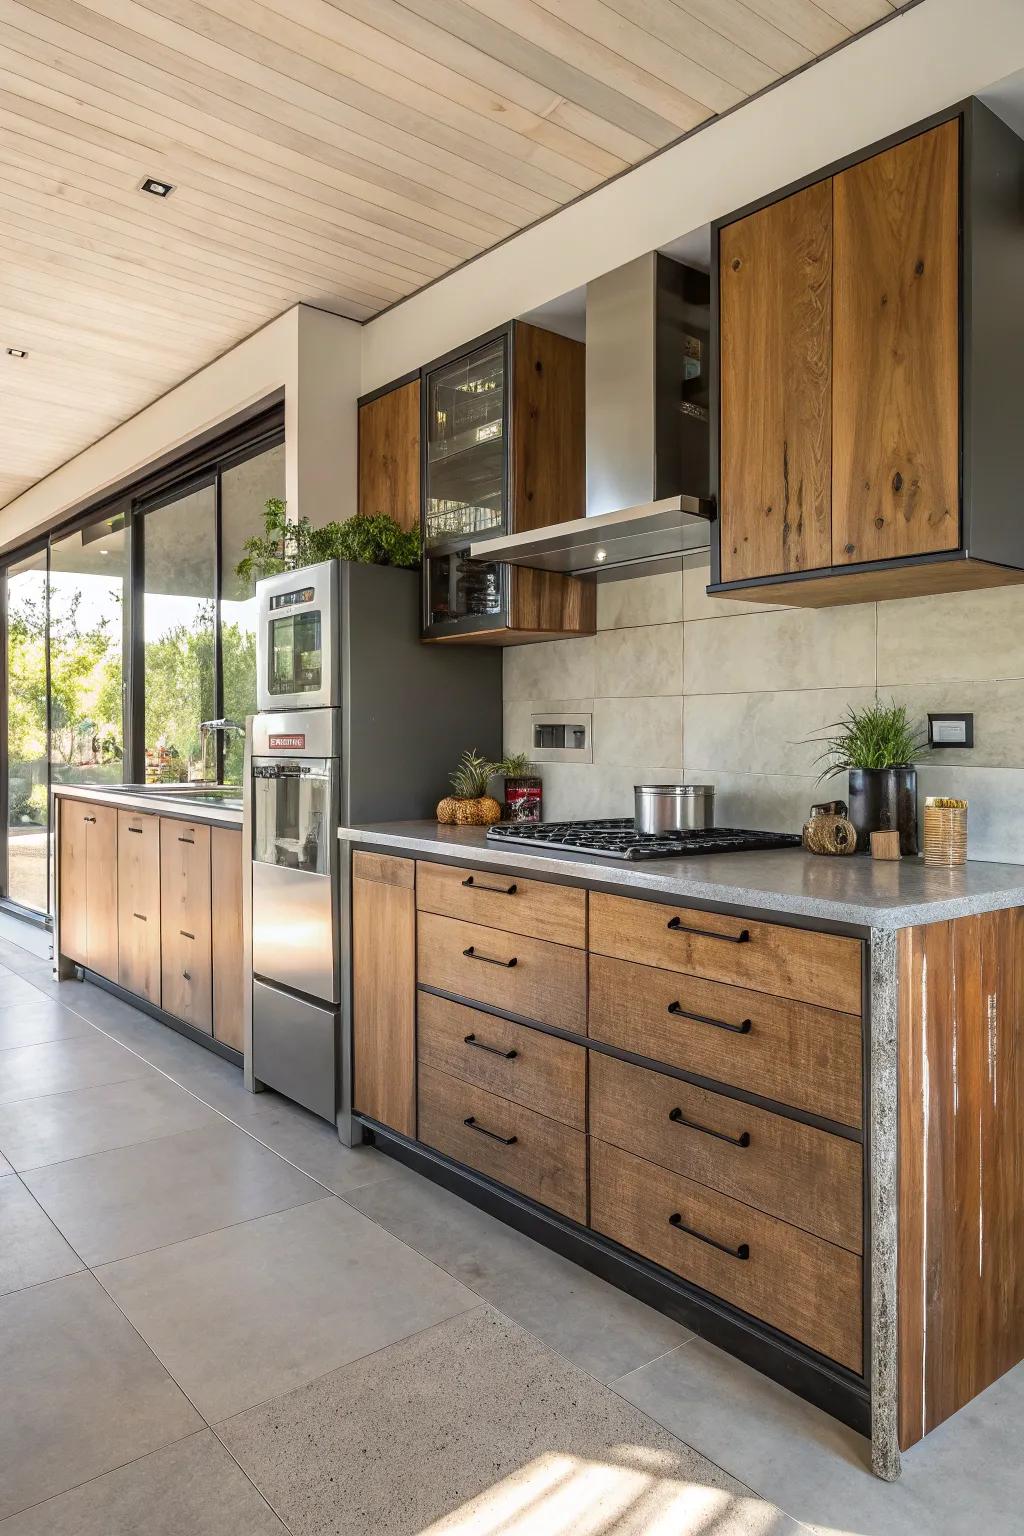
(884, 800)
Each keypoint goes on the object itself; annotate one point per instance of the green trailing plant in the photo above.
(288, 545)
(471, 777)
(877, 736)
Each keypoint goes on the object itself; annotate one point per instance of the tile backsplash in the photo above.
(683, 686)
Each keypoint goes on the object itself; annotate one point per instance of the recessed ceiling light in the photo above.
(600, 554)
(156, 188)
(16, 352)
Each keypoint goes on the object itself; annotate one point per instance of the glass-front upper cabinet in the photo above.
(466, 480)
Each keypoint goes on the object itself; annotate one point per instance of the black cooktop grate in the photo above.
(620, 840)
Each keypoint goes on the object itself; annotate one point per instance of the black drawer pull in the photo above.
(186, 975)
(497, 890)
(506, 1141)
(141, 917)
(678, 1118)
(185, 933)
(471, 954)
(679, 1012)
(742, 1252)
(493, 1049)
(137, 830)
(678, 926)
(186, 840)
(90, 819)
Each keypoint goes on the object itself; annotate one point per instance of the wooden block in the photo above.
(885, 845)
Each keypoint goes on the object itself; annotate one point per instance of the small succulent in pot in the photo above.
(523, 787)
(875, 746)
(470, 805)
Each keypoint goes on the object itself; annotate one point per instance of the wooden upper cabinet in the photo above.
(389, 455)
(776, 380)
(548, 469)
(896, 429)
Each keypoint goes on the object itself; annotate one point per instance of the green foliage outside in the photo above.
(179, 692)
(288, 546)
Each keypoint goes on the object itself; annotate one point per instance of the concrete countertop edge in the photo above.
(221, 816)
(1004, 886)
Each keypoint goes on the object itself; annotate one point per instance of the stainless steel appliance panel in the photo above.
(297, 666)
(293, 928)
(294, 1047)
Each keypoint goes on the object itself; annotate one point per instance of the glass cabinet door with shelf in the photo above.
(465, 469)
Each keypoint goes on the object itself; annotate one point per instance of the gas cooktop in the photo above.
(620, 840)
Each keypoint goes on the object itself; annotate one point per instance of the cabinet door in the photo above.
(138, 904)
(226, 891)
(384, 989)
(389, 455)
(186, 968)
(74, 884)
(895, 471)
(775, 290)
(101, 906)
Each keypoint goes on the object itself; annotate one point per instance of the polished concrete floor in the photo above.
(216, 1321)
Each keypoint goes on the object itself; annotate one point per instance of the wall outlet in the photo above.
(951, 730)
(559, 738)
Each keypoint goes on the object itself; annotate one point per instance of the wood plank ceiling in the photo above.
(339, 152)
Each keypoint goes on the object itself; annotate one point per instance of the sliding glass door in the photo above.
(27, 790)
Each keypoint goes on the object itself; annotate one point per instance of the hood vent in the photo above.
(647, 429)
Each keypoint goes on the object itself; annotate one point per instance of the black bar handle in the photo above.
(678, 926)
(493, 1049)
(506, 1141)
(678, 1118)
(136, 830)
(141, 917)
(185, 933)
(186, 840)
(186, 975)
(471, 954)
(742, 1252)
(91, 819)
(679, 1012)
(497, 890)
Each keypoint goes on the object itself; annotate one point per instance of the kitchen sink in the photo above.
(227, 796)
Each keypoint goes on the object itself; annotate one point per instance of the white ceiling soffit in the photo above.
(342, 153)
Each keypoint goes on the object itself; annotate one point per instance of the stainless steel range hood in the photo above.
(647, 430)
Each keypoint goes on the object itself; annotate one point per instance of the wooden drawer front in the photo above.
(519, 1063)
(384, 868)
(547, 982)
(811, 967)
(187, 968)
(539, 1157)
(228, 940)
(805, 1176)
(792, 1052)
(557, 913)
(138, 904)
(795, 1282)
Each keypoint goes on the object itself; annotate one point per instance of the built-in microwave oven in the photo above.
(297, 639)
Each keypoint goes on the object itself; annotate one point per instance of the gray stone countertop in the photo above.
(855, 890)
(146, 797)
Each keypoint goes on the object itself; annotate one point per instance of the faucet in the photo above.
(207, 728)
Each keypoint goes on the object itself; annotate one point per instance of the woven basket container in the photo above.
(945, 831)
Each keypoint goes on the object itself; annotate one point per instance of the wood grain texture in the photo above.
(384, 867)
(879, 585)
(961, 1130)
(818, 968)
(804, 1176)
(799, 1284)
(101, 904)
(896, 440)
(548, 472)
(548, 982)
(73, 855)
(138, 904)
(546, 1161)
(550, 606)
(797, 1054)
(775, 290)
(389, 456)
(384, 1000)
(226, 875)
(522, 1064)
(186, 925)
(536, 908)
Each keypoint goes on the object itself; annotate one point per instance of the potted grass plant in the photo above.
(875, 747)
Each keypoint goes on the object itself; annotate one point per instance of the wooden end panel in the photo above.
(384, 867)
(810, 967)
(808, 1057)
(556, 913)
(389, 456)
(961, 1143)
(548, 450)
(795, 1282)
(775, 288)
(518, 1063)
(542, 1159)
(74, 880)
(101, 904)
(896, 414)
(384, 1002)
(807, 1177)
(528, 977)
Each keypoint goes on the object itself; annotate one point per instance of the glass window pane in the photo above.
(27, 791)
(179, 583)
(244, 490)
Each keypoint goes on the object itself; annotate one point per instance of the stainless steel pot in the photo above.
(673, 807)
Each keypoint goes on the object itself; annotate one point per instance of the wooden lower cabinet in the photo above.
(88, 886)
(226, 900)
(138, 904)
(187, 960)
(384, 990)
(528, 977)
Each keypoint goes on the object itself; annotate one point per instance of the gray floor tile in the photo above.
(966, 1477)
(596, 1326)
(62, 1125)
(21, 938)
(192, 1488)
(57, 1066)
(251, 1311)
(473, 1426)
(82, 1393)
(16, 989)
(310, 1143)
(31, 1248)
(126, 1201)
(5, 1168)
(33, 1021)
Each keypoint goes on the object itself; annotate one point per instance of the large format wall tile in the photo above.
(995, 828)
(769, 803)
(646, 661)
(656, 599)
(973, 636)
(518, 730)
(998, 710)
(550, 669)
(788, 648)
(763, 732)
(638, 730)
(696, 602)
